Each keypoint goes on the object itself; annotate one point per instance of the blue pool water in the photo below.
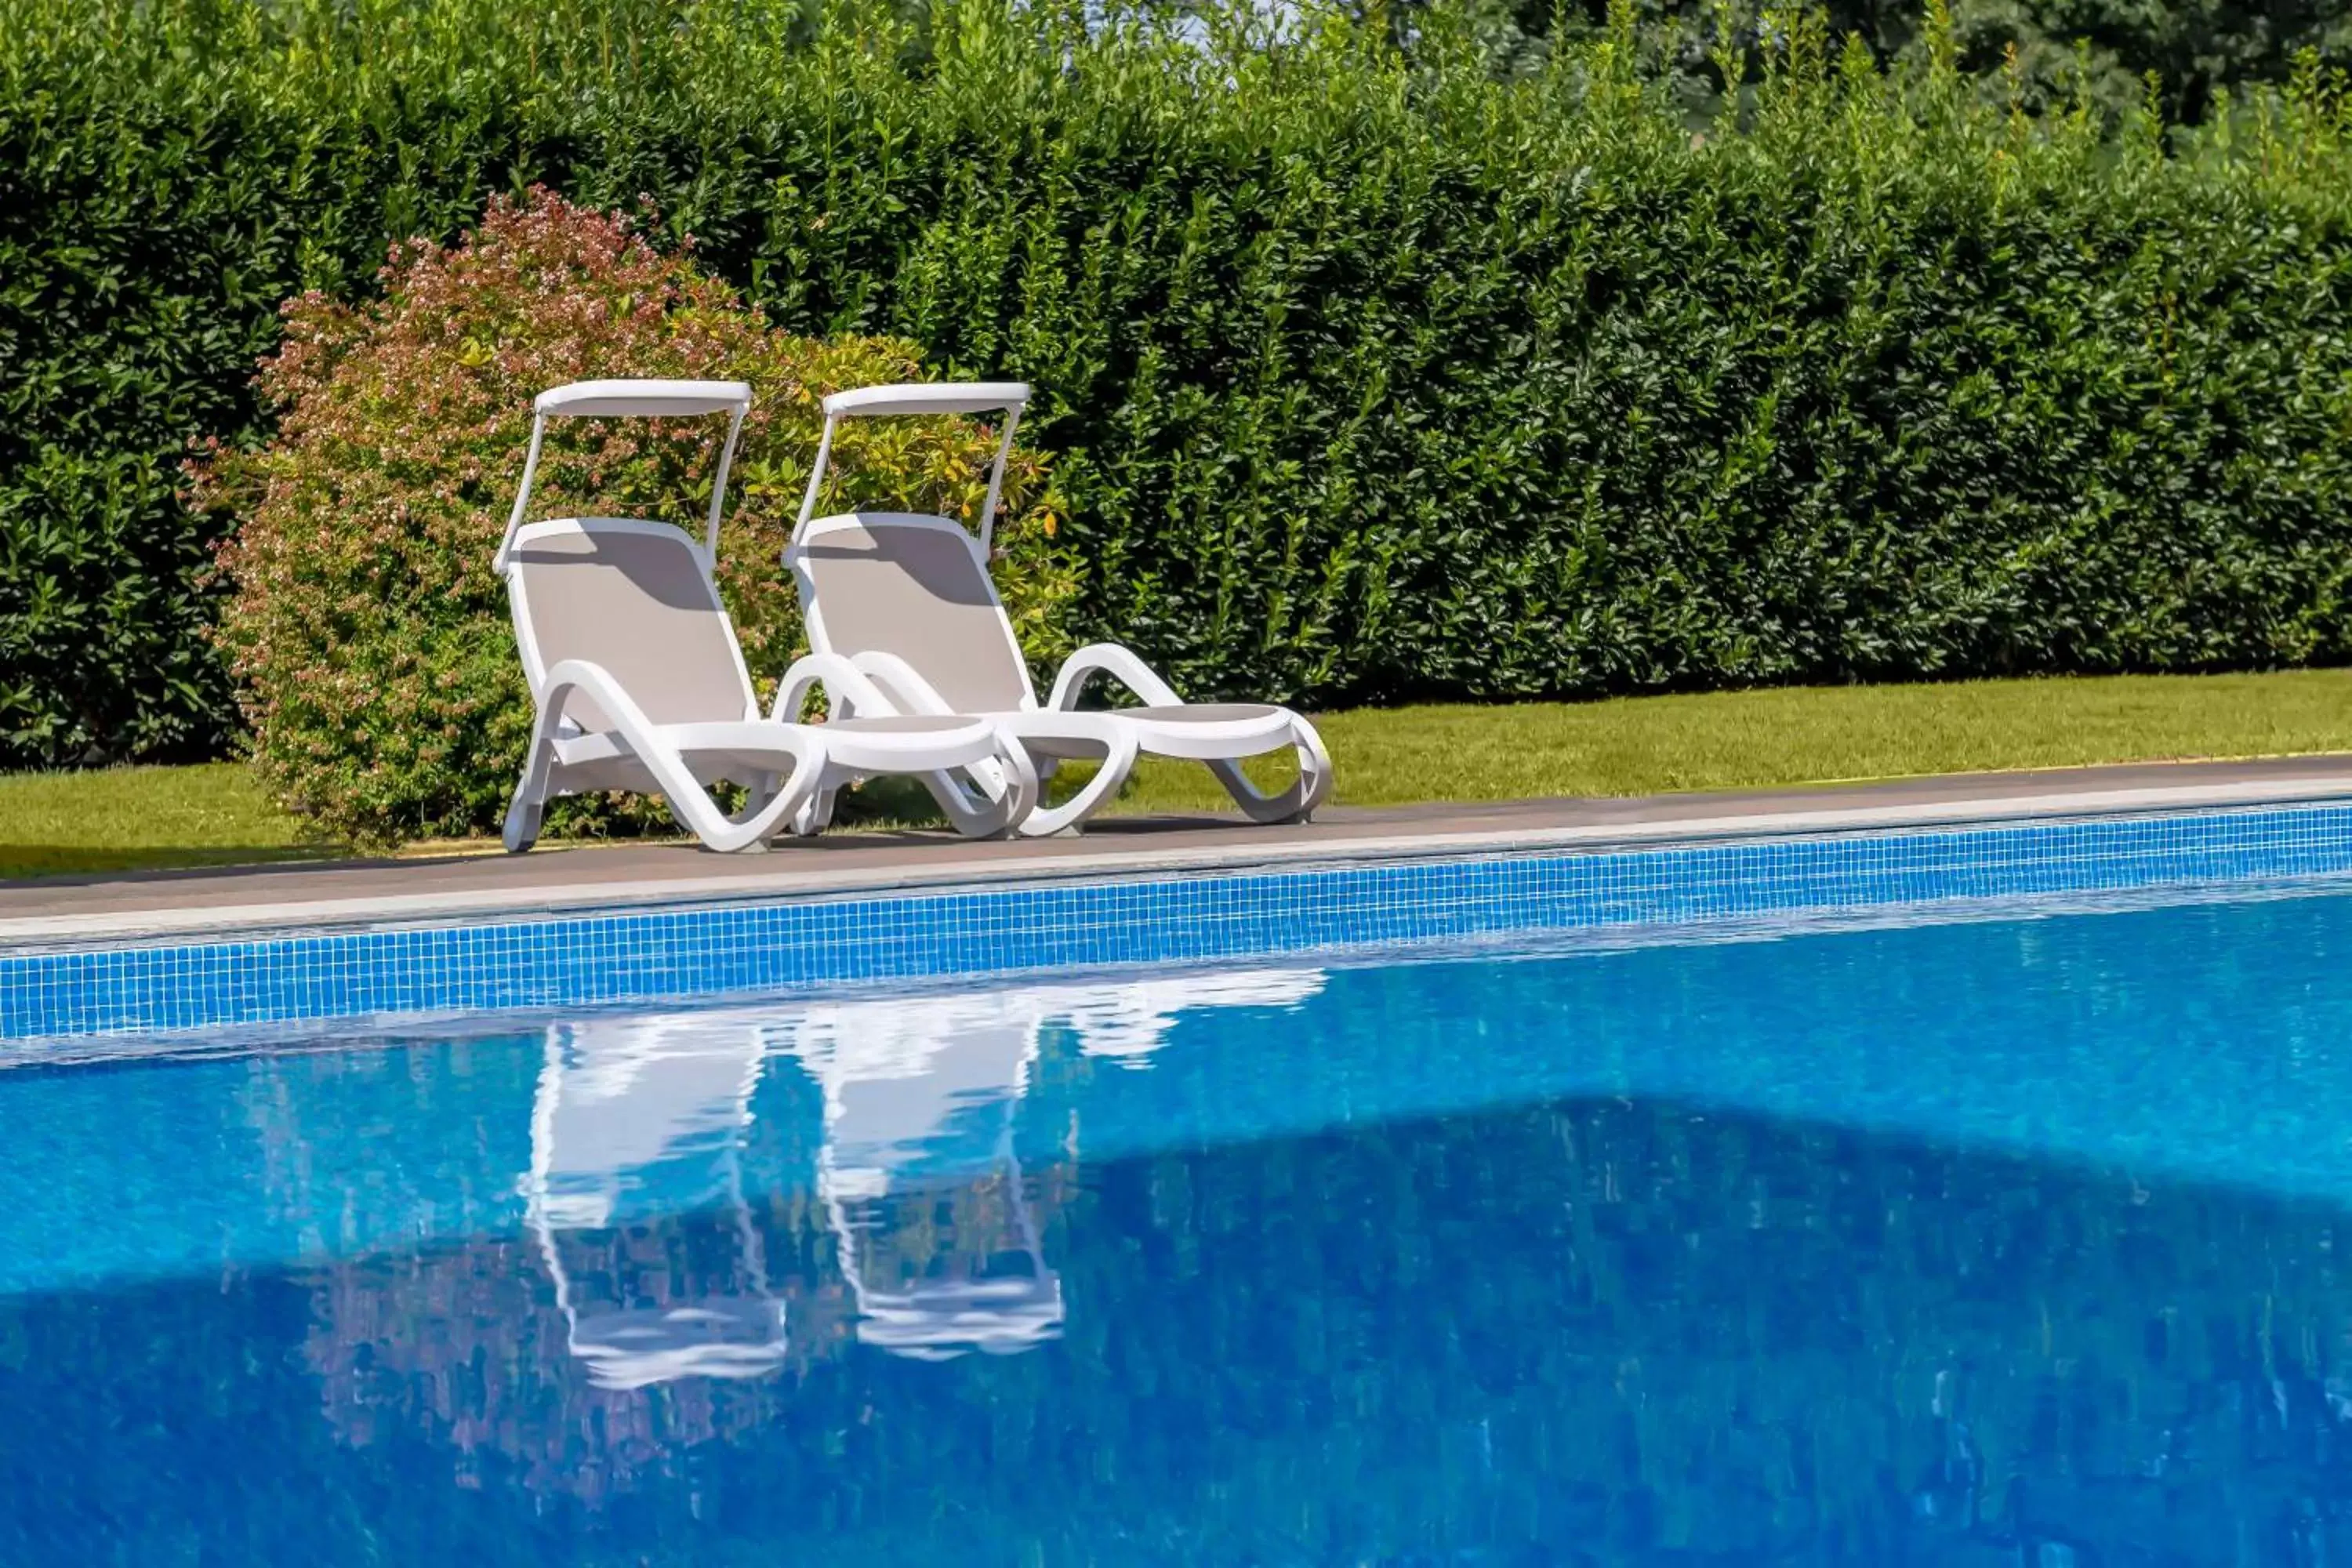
(2017, 1240)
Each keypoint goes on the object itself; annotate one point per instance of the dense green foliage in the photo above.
(371, 637)
(1370, 376)
(2196, 49)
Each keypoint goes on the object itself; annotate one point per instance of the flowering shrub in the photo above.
(369, 635)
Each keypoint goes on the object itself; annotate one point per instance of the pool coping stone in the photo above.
(316, 895)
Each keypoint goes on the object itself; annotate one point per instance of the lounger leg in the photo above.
(973, 815)
(813, 818)
(700, 814)
(1295, 803)
(520, 829)
(1117, 761)
(689, 801)
(996, 812)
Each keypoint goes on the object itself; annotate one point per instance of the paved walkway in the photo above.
(220, 902)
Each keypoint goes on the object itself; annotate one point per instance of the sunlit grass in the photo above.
(140, 818)
(1647, 745)
(214, 814)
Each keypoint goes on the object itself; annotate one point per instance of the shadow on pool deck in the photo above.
(483, 882)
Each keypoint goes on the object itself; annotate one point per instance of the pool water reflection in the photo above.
(2016, 1241)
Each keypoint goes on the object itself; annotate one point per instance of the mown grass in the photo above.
(129, 818)
(1646, 745)
(119, 819)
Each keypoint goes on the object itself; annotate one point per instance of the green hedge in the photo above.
(1368, 377)
(2196, 47)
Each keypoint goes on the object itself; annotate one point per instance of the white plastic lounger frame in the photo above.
(639, 682)
(908, 601)
(633, 400)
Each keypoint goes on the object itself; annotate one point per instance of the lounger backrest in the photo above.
(636, 599)
(916, 587)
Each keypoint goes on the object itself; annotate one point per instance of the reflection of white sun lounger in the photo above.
(641, 1117)
(908, 601)
(901, 1077)
(908, 1081)
(625, 1106)
(997, 1311)
(638, 680)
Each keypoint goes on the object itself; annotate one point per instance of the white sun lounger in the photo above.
(908, 601)
(639, 682)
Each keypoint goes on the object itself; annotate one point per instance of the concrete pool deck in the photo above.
(220, 902)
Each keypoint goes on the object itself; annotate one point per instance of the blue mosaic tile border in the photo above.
(706, 951)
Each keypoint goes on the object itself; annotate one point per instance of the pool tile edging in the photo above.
(617, 956)
(1246, 852)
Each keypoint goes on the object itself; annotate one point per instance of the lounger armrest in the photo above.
(1118, 663)
(848, 691)
(580, 675)
(901, 683)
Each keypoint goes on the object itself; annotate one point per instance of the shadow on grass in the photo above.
(876, 807)
(1161, 793)
(20, 861)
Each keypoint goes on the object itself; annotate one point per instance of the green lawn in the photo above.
(128, 818)
(213, 814)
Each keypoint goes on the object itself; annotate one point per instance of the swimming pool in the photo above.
(2020, 1237)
